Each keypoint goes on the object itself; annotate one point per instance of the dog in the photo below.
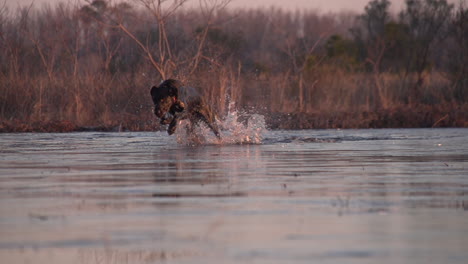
(174, 102)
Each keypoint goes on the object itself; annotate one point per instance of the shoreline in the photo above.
(427, 117)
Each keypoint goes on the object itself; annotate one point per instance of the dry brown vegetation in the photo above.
(90, 66)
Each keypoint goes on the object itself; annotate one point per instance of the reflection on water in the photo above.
(325, 196)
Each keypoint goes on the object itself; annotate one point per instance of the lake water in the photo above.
(311, 196)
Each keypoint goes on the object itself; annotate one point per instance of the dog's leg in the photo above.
(175, 120)
(212, 125)
(176, 111)
(173, 125)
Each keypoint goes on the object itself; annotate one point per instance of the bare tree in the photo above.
(34, 32)
(375, 19)
(426, 20)
(299, 50)
(458, 54)
(162, 57)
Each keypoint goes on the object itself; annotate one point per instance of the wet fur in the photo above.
(174, 102)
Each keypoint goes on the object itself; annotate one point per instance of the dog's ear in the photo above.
(173, 91)
(173, 86)
(153, 92)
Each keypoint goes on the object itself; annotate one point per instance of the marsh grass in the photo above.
(335, 100)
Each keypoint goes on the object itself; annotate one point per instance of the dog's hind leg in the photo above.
(212, 125)
(192, 137)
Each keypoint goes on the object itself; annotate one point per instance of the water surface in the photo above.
(312, 196)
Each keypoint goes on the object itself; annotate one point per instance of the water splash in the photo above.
(236, 128)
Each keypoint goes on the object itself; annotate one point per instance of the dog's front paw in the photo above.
(171, 129)
(172, 126)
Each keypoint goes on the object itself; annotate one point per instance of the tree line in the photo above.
(93, 63)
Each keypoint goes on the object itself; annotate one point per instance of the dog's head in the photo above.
(164, 96)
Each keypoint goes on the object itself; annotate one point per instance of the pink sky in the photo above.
(320, 5)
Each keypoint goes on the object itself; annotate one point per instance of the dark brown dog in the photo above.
(174, 102)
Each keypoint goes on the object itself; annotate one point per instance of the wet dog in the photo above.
(174, 102)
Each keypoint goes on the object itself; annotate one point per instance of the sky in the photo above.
(319, 5)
